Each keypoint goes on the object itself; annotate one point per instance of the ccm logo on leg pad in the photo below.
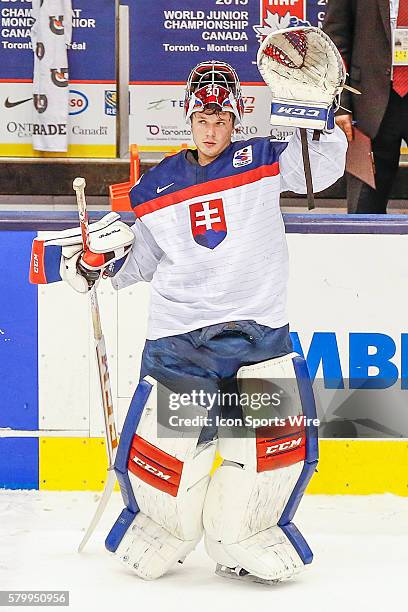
(274, 453)
(150, 468)
(284, 446)
(154, 466)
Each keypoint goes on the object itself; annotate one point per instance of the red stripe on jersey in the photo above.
(37, 270)
(274, 453)
(207, 188)
(154, 466)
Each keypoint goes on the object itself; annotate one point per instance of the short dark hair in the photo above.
(214, 109)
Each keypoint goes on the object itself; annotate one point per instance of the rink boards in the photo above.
(347, 307)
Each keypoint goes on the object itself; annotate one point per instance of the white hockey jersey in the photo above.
(211, 239)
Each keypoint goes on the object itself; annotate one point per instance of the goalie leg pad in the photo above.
(163, 482)
(253, 496)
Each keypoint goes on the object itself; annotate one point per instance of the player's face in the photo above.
(211, 134)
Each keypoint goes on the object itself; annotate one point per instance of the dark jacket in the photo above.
(361, 30)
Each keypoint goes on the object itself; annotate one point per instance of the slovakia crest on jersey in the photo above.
(243, 157)
(208, 224)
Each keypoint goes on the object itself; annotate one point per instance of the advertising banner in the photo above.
(92, 90)
(157, 116)
(175, 35)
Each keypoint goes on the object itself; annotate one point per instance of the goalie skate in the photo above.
(239, 573)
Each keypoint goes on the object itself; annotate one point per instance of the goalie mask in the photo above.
(213, 83)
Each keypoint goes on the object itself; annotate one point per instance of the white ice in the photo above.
(360, 546)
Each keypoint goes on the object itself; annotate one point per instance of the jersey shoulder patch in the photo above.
(257, 151)
(243, 157)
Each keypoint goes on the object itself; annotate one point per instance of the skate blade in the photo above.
(227, 572)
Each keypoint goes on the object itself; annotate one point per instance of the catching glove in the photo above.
(306, 74)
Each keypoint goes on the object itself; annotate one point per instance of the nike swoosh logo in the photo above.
(9, 104)
(160, 189)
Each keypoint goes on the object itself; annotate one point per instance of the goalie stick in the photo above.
(103, 371)
(307, 169)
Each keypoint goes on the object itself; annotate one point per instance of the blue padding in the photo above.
(126, 490)
(297, 493)
(299, 543)
(130, 425)
(19, 463)
(119, 529)
(312, 449)
(137, 405)
(308, 407)
(18, 334)
(52, 262)
(330, 123)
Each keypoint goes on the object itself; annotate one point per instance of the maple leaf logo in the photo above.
(272, 23)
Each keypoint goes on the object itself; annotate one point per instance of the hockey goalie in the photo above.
(209, 238)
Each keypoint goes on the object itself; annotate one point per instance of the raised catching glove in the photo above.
(306, 74)
(60, 256)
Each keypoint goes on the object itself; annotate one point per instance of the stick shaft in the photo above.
(103, 371)
(102, 359)
(79, 188)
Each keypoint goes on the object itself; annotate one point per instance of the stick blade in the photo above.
(103, 502)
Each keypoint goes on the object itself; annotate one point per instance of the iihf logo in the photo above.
(208, 223)
(280, 14)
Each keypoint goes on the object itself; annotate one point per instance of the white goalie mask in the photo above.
(213, 83)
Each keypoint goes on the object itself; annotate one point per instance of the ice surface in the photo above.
(360, 546)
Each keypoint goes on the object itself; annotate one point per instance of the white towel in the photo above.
(50, 35)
